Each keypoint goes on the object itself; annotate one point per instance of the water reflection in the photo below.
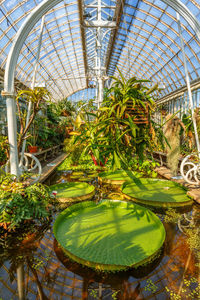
(49, 274)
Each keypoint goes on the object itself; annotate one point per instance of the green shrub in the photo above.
(4, 147)
(74, 150)
(21, 202)
(147, 167)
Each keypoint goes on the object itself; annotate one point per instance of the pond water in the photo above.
(49, 274)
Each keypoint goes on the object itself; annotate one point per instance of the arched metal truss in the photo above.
(145, 41)
(147, 29)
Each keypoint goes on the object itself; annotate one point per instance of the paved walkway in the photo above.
(193, 190)
(49, 168)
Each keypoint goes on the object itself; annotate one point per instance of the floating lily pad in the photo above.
(73, 191)
(118, 177)
(92, 175)
(112, 235)
(74, 177)
(156, 192)
(85, 179)
(78, 173)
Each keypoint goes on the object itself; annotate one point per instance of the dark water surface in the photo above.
(49, 274)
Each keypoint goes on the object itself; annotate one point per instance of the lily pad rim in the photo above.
(158, 203)
(101, 266)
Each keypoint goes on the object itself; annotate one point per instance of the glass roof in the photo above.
(145, 43)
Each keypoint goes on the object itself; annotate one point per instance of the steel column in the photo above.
(9, 76)
(18, 42)
(188, 84)
(33, 85)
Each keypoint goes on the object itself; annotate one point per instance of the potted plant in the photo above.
(21, 202)
(38, 97)
(32, 149)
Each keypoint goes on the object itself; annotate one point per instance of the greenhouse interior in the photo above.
(99, 149)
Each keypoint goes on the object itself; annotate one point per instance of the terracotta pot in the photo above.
(33, 149)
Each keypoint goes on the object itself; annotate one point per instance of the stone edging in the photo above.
(193, 192)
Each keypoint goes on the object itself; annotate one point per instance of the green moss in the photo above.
(156, 192)
(110, 236)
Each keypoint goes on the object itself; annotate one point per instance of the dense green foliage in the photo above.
(115, 133)
(4, 147)
(20, 202)
(146, 167)
(37, 97)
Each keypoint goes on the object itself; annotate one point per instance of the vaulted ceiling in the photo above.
(144, 43)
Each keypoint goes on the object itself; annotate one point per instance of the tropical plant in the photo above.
(74, 150)
(114, 131)
(64, 108)
(147, 167)
(4, 148)
(38, 97)
(85, 107)
(189, 140)
(132, 91)
(20, 202)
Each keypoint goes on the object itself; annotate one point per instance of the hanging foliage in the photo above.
(122, 126)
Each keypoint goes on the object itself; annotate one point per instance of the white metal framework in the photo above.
(85, 40)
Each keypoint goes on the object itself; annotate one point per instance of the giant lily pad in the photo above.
(156, 192)
(117, 177)
(73, 191)
(112, 235)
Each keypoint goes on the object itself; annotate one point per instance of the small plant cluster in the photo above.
(4, 148)
(20, 202)
(74, 151)
(48, 122)
(189, 290)
(194, 242)
(39, 262)
(77, 159)
(151, 286)
(147, 167)
(172, 216)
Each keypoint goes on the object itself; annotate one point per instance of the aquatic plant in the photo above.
(156, 193)
(189, 290)
(109, 249)
(151, 286)
(172, 216)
